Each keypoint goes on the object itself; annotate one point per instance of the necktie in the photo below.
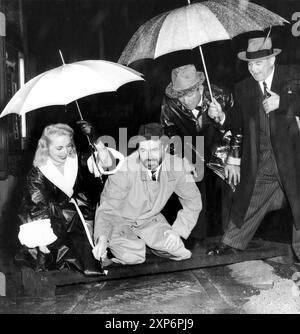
(199, 119)
(153, 177)
(266, 93)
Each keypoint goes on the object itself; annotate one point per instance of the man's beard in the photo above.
(152, 163)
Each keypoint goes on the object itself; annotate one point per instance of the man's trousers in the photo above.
(268, 195)
(128, 241)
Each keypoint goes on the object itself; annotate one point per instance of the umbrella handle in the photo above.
(217, 119)
(91, 145)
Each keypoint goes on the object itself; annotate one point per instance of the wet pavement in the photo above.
(252, 286)
(248, 287)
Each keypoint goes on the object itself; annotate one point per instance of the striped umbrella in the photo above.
(196, 24)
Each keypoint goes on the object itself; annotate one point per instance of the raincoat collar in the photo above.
(64, 182)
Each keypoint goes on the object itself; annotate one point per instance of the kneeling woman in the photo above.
(56, 212)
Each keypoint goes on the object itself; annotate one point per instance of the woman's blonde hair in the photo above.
(42, 151)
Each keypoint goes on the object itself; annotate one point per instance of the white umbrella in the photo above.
(69, 82)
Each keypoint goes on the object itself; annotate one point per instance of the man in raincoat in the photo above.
(129, 215)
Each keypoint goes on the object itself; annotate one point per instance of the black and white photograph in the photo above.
(150, 159)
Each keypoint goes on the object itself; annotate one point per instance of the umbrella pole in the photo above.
(80, 115)
(91, 145)
(79, 111)
(204, 66)
(61, 57)
(217, 119)
(205, 70)
(63, 61)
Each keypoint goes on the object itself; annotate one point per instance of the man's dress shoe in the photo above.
(221, 249)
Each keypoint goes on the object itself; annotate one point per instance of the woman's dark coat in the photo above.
(42, 199)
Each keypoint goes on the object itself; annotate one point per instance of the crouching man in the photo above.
(129, 215)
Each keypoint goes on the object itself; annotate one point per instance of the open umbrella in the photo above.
(196, 24)
(69, 82)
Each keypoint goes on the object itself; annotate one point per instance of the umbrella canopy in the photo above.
(196, 24)
(69, 82)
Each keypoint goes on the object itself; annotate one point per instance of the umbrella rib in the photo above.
(30, 89)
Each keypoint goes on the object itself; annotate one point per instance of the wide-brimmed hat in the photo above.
(259, 48)
(184, 79)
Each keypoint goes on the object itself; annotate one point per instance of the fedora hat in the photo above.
(184, 79)
(259, 48)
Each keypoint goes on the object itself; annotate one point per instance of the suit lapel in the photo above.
(276, 86)
(254, 104)
(257, 99)
(276, 82)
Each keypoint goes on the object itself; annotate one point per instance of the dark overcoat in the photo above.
(176, 120)
(43, 199)
(284, 132)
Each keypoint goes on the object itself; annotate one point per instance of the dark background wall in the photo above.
(100, 29)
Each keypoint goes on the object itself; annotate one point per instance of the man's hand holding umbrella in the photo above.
(232, 172)
(215, 112)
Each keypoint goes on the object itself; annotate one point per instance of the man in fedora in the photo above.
(129, 216)
(267, 107)
(184, 114)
